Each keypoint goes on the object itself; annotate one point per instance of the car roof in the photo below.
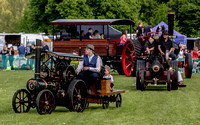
(93, 22)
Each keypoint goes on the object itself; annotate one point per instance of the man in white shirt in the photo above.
(89, 69)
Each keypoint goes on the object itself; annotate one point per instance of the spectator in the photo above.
(101, 36)
(4, 53)
(165, 45)
(96, 35)
(27, 52)
(11, 57)
(21, 50)
(181, 53)
(32, 61)
(195, 57)
(89, 69)
(82, 34)
(148, 28)
(44, 47)
(139, 29)
(88, 35)
(108, 75)
(123, 38)
(28, 48)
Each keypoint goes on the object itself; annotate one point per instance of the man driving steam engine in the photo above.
(89, 69)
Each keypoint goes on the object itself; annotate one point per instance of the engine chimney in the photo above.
(37, 58)
(171, 22)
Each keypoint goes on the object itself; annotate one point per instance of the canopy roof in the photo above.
(92, 22)
(59, 55)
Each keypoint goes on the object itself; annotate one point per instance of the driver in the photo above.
(165, 44)
(89, 69)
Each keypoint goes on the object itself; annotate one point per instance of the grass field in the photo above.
(150, 107)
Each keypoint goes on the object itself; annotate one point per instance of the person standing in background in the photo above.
(11, 57)
(44, 47)
(28, 49)
(32, 61)
(21, 50)
(139, 29)
(123, 38)
(148, 29)
(4, 53)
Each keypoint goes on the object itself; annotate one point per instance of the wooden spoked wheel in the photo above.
(188, 66)
(45, 102)
(105, 102)
(168, 81)
(21, 101)
(77, 95)
(128, 58)
(118, 100)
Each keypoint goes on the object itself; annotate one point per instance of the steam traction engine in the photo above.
(54, 85)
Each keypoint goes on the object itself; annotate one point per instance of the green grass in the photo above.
(150, 107)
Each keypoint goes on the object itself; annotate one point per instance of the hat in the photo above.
(90, 46)
(165, 33)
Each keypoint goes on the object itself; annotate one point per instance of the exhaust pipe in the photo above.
(171, 22)
(37, 58)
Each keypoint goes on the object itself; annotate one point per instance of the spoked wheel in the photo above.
(168, 81)
(140, 66)
(142, 83)
(105, 102)
(21, 101)
(118, 100)
(188, 66)
(68, 74)
(77, 95)
(45, 102)
(128, 58)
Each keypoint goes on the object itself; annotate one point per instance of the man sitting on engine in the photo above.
(89, 69)
(165, 45)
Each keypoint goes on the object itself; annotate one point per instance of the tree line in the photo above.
(36, 15)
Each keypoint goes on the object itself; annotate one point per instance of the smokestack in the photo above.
(37, 58)
(171, 22)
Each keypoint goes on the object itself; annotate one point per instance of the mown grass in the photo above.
(154, 106)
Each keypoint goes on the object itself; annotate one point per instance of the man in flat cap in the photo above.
(89, 69)
(165, 45)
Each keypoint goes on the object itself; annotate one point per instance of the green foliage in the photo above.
(10, 13)
(36, 15)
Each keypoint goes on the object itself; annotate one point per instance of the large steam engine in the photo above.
(54, 84)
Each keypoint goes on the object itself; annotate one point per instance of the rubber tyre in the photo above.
(142, 83)
(188, 66)
(168, 81)
(174, 65)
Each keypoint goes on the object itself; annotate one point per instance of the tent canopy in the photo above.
(180, 38)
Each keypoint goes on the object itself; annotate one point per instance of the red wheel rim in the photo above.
(128, 58)
(186, 66)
